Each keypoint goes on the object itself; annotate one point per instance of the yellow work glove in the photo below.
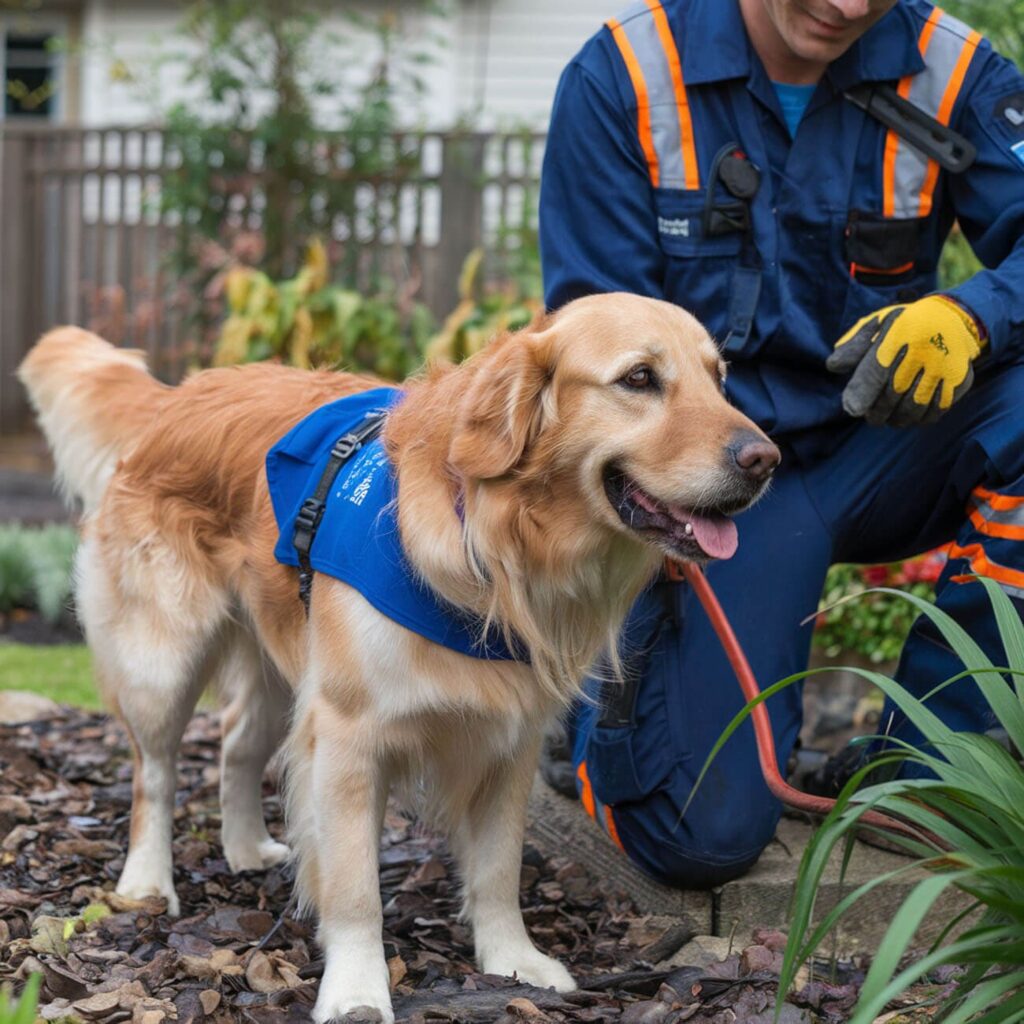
(909, 363)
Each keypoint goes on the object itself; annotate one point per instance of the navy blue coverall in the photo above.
(847, 218)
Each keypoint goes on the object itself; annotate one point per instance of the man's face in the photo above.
(823, 30)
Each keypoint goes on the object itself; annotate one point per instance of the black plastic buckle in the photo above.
(306, 523)
(305, 587)
(345, 446)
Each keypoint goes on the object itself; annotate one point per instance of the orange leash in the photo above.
(759, 715)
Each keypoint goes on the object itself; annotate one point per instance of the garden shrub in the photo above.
(15, 570)
(36, 567)
(307, 321)
(874, 627)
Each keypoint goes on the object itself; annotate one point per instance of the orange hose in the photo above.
(759, 714)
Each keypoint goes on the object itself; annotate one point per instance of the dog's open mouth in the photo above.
(690, 534)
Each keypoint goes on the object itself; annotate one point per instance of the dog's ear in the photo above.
(501, 412)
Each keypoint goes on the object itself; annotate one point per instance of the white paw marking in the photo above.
(353, 982)
(256, 856)
(329, 1008)
(272, 852)
(142, 890)
(532, 967)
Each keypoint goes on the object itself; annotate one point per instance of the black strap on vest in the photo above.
(937, 141)
(307, 522)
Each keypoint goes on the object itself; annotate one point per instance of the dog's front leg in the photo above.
(349, 791)
(489, 847)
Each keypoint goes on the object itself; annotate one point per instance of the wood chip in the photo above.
(210, 999)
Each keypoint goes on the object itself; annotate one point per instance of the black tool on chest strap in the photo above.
(307, 522)
(937, 141)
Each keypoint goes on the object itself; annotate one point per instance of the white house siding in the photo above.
(128, 34)
(496, 64)
(513, 51)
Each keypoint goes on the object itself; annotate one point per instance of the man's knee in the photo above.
(699, 852)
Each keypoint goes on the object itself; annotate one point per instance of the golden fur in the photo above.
(177, 585)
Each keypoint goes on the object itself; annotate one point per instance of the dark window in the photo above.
(29, 76)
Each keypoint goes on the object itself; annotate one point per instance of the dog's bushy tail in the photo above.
(93, 400)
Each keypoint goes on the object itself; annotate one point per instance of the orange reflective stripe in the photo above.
(612, 830)
(957, 80)
(586, 794)
(859, 268)
(1008, 531)
(892, 144)
(643, 104)
(929, 27)
(953, 88)
(981, 565)
(1000, 502)
(668, 44)
(892, 140)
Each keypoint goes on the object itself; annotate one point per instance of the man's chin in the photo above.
(820, 51)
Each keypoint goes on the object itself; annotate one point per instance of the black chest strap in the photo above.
(937, 141)
(307, 522)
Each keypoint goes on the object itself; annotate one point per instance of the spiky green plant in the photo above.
(971, 815)
(24, 1010)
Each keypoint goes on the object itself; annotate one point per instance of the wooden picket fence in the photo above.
(83, 239)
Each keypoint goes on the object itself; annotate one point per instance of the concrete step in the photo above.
(760, 899)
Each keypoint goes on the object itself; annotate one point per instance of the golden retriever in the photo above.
(540, 485)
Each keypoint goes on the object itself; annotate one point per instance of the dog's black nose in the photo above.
(756, 456)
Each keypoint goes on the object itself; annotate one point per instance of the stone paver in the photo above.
(758, 900)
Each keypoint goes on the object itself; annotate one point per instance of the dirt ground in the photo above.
(238, 953)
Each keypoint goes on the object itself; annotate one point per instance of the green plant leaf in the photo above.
(24, 1010)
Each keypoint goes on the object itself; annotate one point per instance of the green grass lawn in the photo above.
(63, 673)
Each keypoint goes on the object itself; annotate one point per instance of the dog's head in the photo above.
(616, 403)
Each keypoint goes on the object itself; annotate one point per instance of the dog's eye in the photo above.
(640, 377)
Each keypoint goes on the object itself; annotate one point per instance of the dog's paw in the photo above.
(136, 889)
(272, 852)
(353, 992)
(362, 1015)
(256, 856)
(352, 1008)
(532, 967)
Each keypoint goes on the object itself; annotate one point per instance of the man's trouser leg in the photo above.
(881, 495)
(961, 480)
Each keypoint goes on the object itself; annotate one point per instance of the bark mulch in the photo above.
(238, 952)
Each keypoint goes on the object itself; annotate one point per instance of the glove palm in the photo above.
(910, 363)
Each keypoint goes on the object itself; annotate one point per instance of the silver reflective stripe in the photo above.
(979, 564)
(639, 7)
(927, 89)
(1011, 590)
(1006, 517)
(642, 32)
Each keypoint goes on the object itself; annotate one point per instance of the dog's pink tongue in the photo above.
(716, 536)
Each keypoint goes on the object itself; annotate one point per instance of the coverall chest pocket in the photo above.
(884, 258)
(701, 270)
(680, 227)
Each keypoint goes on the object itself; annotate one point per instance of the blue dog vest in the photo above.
(358, 540)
